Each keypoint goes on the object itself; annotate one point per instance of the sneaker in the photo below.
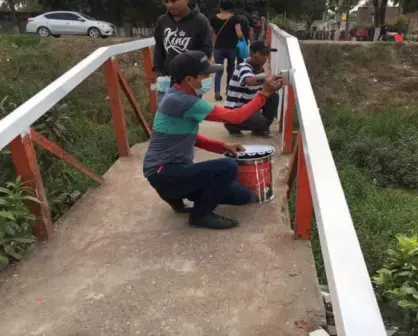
(218, 97)
(213, 221)
(265, 134)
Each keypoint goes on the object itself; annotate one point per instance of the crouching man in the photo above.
(244, 85)
(168, 163)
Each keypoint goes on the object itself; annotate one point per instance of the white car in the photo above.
(69, 23)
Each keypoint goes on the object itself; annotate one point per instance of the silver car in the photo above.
(69, 23)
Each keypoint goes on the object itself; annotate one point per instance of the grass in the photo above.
(29, 64)
(377, 159)
(368, 97)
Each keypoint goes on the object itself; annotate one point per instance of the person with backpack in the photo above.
(181, 29)
(227, 31)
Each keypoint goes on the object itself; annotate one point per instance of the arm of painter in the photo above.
(159, 52)
(211, 145)
(239, 115)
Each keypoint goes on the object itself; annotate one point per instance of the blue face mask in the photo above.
(206, 87)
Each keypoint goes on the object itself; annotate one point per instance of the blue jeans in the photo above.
(207, 184)
(220, 55)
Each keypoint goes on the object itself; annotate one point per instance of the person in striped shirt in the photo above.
(245, 83)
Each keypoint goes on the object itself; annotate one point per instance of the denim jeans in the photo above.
(220, 55)
(207, 184)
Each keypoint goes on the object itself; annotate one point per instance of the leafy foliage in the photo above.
(15, 221)
(397, 281)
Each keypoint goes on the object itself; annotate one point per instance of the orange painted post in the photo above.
(269, 35)
(26, 166)
(304, 205)
(125, 88)
(118, 113)
(293, 167)
(281, 121)
(60, 153)
(288, 120)
(149, 75)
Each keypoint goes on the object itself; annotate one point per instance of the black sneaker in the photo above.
(213, 221)
(178, 206)
(218, 97)
(265, 134)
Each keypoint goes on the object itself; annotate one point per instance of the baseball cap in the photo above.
(259, 46)
(192, 63)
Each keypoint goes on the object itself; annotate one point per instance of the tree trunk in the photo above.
(382, 12)
(347, 25)
(15, 19)
(376, 5)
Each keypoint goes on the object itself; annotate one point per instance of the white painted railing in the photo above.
(354, 302)
(25, 115)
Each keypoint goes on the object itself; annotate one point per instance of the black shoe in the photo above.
(265, 134)
(218, 97)
(178, 206)
(213, 221)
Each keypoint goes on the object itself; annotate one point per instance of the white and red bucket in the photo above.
(255, 170)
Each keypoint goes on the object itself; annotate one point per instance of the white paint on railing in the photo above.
(354, 302)
(25, 115)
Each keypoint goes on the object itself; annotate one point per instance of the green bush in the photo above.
(397, 281)
(384, 144)
(15, 221)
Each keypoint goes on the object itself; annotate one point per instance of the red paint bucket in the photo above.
(255, 171)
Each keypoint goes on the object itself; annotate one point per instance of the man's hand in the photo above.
(272, 84)
(234, 148)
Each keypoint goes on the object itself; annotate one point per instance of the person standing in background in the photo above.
(226, 33)
(182, 28)
(257, 26)
(245, 27)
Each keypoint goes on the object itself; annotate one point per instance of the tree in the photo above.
(379, 12)
(407, 6)
(15, 20)
(343, 7)
(308, 10)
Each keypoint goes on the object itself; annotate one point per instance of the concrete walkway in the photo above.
(122, 263)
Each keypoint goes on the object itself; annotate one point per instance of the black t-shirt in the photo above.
(227, 38)
(245, 26)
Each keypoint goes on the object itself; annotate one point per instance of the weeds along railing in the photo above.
(319, 192)
(16, 131)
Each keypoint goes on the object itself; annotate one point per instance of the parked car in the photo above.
(69, 23)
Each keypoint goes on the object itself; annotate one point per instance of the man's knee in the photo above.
(245, 196)
(227, 168)
(273, 100)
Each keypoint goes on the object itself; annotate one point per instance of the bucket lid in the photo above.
(253, 151)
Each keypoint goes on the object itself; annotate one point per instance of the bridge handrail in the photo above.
(19, 121)
(353, 299)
